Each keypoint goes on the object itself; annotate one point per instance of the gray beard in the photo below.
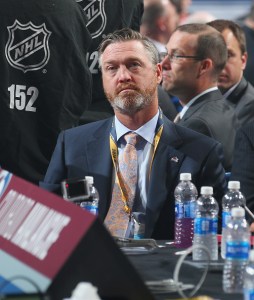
(132, 104)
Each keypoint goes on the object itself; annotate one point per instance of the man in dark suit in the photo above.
(131, 73)
(234, 87)
(196, 55)
(243, 162)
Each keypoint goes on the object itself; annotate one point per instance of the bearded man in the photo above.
(136, 156)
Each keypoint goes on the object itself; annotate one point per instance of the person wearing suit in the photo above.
(243, 166)
(196, 55)
(131, 73)
(236, 90)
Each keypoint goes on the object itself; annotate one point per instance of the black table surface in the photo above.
(160, 264)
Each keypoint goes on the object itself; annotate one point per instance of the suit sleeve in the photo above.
(198, 125)
(213, 173)
(243, 163)
(56, 170)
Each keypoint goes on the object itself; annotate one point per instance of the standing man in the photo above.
(45, 83)
(235, 89)
(159, 149)
(105, 16)
(196, 55)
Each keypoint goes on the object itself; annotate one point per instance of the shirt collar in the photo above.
(147, 130)
(185, 108)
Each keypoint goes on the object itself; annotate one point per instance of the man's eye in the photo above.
(230, 55)
(110, 68)
(134, 65)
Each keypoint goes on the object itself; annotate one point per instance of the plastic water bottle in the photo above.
(233, 198)
(92, 203)
(206, 225)
(185, 201)
(248, 278)
(237, 237)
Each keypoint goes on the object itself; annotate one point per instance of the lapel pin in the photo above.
(175, 159)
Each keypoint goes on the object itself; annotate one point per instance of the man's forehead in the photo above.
(121, 50)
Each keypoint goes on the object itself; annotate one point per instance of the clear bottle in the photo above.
(248, 278)
(206, 225)
(233, 198)
(185, 201)
(237, 237)
(92, 203)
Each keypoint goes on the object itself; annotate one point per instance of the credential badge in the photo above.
(27, 48)
(97, 19)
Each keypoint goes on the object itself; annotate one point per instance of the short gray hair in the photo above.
(127, 34)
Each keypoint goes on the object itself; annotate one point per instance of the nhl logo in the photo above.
(27, 47)
(97, 19)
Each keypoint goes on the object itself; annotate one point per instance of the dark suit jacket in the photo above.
(85, 151)
(242, 99)
(243, 162)
(210, 115)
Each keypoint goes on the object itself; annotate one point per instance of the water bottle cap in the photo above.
(237, 212)
(185, 176)
(206, 190)
(234, 185)
(251, 255)
(84, 289)
(89, 179)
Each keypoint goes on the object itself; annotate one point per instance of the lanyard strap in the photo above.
(114, 155)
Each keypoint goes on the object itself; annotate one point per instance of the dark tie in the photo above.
(117, 218)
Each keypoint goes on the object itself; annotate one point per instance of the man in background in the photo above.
(197, 53)
(236, 90)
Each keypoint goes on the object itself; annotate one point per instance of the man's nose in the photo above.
(166, 65)
(124, 74)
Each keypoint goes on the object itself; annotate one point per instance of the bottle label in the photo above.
(237, 250)
(226, 215)
(248, 294)
(89, 207)
(205, 225)
(185, 210)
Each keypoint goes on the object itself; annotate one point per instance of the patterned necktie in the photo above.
(117, 218)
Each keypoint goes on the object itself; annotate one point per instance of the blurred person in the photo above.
(131, 73)
(158, 22)
(45, 83)
(160, 19)
(105, 17)
(235, 89)
(196, 55)
(199, 17)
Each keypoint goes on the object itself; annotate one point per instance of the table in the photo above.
(160, 263)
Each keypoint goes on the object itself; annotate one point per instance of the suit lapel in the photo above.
(101, 164)
(202, 100)
(164, 174)
(238, 91)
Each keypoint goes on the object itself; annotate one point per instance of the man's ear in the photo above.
(205, 66)
(159, 73)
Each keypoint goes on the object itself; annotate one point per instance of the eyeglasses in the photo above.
(175, 57)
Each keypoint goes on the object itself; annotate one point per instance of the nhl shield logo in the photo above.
(27, 48)
(95, 12)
